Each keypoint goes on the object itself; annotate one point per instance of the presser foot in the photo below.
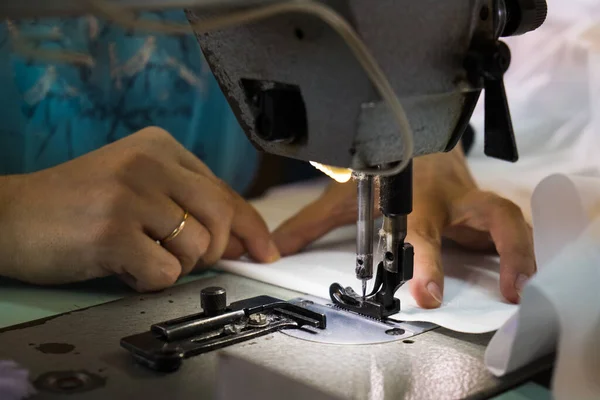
(380, 303)
(369, 306)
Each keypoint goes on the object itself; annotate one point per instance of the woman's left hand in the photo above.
(446, 203)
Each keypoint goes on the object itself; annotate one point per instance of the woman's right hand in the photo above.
(103, 213)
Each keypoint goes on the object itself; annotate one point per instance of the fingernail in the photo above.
(171, 275)
(274, 254)
(520, 283)
(435, 291)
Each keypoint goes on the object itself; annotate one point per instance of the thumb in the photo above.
(427, 285)
(309, 224)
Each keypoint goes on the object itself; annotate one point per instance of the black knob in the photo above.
(281, 115)
(213, 301)
(524, 16)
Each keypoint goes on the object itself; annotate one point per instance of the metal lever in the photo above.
(489, 62)
(499, 133)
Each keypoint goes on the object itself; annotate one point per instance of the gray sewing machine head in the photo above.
(298, 90)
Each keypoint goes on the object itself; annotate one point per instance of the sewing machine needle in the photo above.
(365, 228)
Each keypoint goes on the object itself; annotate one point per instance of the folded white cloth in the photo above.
(560, 306)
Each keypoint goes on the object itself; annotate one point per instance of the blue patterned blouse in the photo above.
(53, 112)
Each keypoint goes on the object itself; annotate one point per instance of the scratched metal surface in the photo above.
(427, 73)
(438, 365)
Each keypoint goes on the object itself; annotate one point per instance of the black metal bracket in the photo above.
(380, 303)
(164, 347)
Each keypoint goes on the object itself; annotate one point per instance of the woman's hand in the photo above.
(446, 203)
(103, 214)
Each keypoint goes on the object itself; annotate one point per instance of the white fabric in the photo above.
(560, 306)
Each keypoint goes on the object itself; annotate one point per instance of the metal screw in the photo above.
(68, 382)
(257, 320)
(231, 329)
(389, 259)
(395, 332)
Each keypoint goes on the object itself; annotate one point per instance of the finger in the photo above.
(513, 240)
(161, 216)
(249, 227)
(337, 207)
(190, 245)
(149, 266)
(211, 204)
(208, 203)
(311, 223)
(223, 212)
(252, 231)
(427, 284)
(235, 249)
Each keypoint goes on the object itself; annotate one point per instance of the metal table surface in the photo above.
(439, 364)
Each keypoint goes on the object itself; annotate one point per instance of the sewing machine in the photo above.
(301, 91)
(302, 86)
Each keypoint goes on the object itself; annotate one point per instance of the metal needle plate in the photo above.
(347, 328)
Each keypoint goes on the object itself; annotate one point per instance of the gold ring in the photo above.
(176, 231)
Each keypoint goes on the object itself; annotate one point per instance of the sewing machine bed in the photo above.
(438, 364)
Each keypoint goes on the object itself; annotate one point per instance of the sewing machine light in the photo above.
(340, 175)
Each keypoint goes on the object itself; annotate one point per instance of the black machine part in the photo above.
(524, 16)
(487, 62)
(165, 345)
(213, 301)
